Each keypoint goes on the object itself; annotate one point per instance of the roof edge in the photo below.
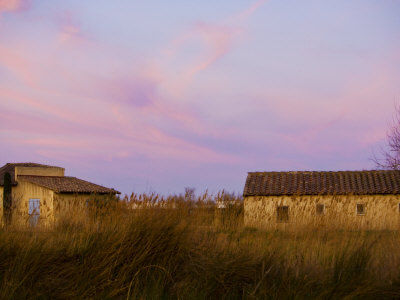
(111, 190)
(313, 171)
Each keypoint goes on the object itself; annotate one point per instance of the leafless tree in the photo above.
(390, 156)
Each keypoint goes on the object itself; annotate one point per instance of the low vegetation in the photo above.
(148, 247)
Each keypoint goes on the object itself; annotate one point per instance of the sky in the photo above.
(155, 96)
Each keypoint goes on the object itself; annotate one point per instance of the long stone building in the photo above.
(40, 193)
(352, 199)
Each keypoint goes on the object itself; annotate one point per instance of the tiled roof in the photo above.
(10, 168)
(67, 184)
(322, 183)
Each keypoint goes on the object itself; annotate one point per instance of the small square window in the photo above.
(282, 213)
(320, 209)
(360, 209)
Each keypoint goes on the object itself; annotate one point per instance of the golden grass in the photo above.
(177, 248)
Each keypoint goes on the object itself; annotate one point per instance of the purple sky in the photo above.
(161, 95)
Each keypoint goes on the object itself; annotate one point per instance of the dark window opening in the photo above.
(360, 209)
(282, 213)
(320, 209)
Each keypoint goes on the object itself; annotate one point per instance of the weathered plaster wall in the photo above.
(38, 171)
(21, 195)
(66, 200)
(381, 211)
(52, 204)
(77, 206)
(69, 205)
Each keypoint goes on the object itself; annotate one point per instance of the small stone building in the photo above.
(343, 199)
(40, 192)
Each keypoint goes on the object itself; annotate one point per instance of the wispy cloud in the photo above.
(70, 29)
(200, 96)
(217, 40)
(17, 64)
(245, 14)
(13, 5)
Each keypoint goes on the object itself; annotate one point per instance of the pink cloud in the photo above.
(137, 92)
(139, 98)
(219, 38)
(374, 136)
(105, 134)
(42, 106)
(216, 39)
(156, 142)
(13, 5)
(245, 14)
(70, 30)
(131, 130)
(18, 65)
(309, 140)
(219, 42)
(345, 121)
(57, 143)
(156, 145)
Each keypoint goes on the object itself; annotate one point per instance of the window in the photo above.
(34, 211)
(282, 213)
(360, 209)
(320, 209)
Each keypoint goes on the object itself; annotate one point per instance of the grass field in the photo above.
(185, 249)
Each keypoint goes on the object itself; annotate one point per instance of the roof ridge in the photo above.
(67, 184)
(17, 164)
(316, 171)
(322, 182)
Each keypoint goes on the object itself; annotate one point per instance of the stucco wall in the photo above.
(39, 171)
(381, 211)
(78, 207)
(67, 206)
(52, 204)
(21, 195)
(63, 201)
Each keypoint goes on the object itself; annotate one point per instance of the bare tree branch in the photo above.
(390, 157)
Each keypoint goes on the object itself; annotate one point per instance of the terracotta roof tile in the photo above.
(67, 184)
(322, 183)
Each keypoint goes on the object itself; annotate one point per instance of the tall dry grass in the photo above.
(179, 248)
